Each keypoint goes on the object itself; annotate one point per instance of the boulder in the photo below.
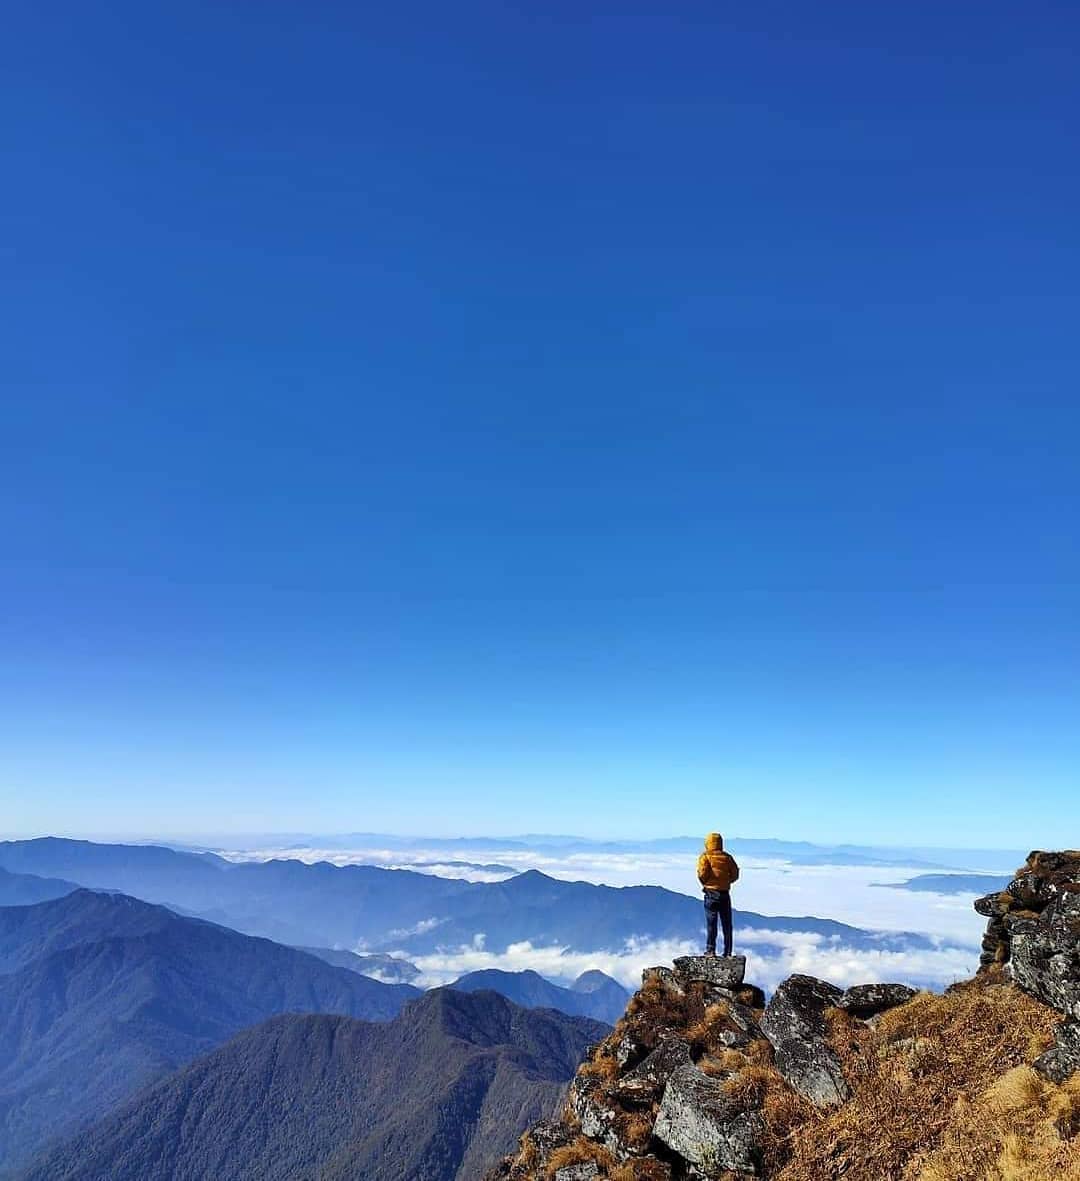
(548, 1135)
(739, 1026)
(1063, 1058)
(1045, 961)
(698, 1121)
(596, 1115)
(661, 1064)
(794, 1022)
(724, 971)
(586, 1171)
(867, 1000)
(995, 943)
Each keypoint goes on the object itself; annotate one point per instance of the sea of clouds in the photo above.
(863, 896)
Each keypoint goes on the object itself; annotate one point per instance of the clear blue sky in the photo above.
(620, 419)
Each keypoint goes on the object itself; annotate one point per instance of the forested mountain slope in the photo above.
(436, 1094)
(101, 994)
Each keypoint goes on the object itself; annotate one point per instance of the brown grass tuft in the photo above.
(528, 1156)
(578, 1153)
(599, 1066)
(714, 1018)
(942, 1091)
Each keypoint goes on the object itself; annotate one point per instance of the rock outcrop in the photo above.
(723, 971)
(702, 1080)
(677, 1090)
(795, 1024)
(868, 1000)
(702, 1124)
(1033, 931)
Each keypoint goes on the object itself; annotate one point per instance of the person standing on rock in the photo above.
(717, 871)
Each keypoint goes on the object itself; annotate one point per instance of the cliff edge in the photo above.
(701, 1079)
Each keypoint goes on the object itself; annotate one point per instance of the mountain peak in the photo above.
(594, 980)
(702, 1079)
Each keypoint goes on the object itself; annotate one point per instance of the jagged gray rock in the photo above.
(1045, 959)
(595, 1114)
(629, 1050)
(1063, 1059)
(549, 1135)
(867, 1000)
(1045, 889)
(794, 1022)
(585, 1171)
(994, 905)
(655, 1070)
(740, 1026)
(726, 971)
(698, 1121)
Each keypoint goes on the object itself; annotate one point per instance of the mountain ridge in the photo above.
(435, 1094)
(401, 911)
(102, 993)
(603, 1002)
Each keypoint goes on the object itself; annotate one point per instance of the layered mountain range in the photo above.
(138, 1038)
(414, 914)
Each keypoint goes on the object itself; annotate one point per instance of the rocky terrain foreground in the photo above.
(702, 1079)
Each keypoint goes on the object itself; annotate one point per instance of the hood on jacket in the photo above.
(714, 843)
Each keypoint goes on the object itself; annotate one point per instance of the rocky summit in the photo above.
(1033, 932)
(701, 1078)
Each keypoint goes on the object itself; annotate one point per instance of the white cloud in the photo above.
(771, 957)
(850, 894)
(421, 861)
(420, 928)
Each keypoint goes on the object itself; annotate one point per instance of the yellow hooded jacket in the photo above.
(716, 870)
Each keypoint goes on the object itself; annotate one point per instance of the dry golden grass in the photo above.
(636, 1128)
(713, 1019)
(599, 1066)
(528, 1155)
(1022, 1128)
(639, 1170)
(578, 1153)
(941, 1091)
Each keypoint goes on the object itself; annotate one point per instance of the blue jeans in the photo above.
(717, 906)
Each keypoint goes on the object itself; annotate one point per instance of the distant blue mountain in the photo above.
(101, 994)
(24, 889)
(323, 905)
(797, 852)
(951, 883)
(598, 997)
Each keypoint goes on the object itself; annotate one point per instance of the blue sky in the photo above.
(620, 419)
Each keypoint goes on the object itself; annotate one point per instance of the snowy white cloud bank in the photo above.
(771, 956)
(853, 894)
